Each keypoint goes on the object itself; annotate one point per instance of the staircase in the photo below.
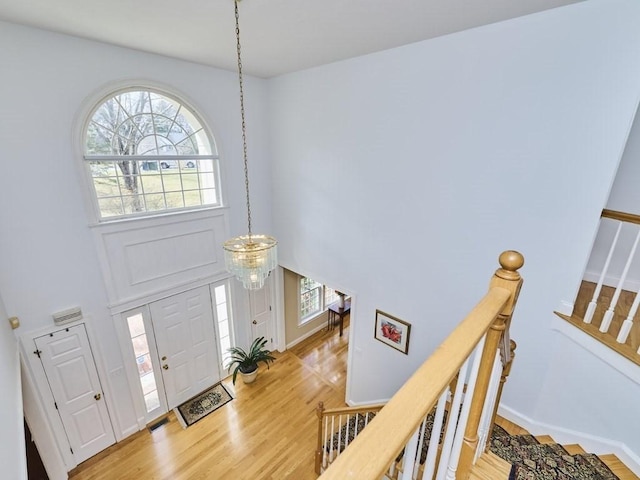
(541, 458)
(512, 453)
(625, 299)
(607, 302)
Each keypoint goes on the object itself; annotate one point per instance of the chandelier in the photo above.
(250, 258)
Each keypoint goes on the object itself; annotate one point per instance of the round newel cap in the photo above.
(510, 261)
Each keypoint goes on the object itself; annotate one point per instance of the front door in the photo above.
(73, 378)
(261, 313)
(184, 331)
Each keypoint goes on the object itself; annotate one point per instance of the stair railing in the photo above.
(394, 445)
(337, 427)
(610, 315)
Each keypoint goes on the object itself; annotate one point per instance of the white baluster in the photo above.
(594, 301)
(489, 406)
(430, 462)
(333, 422)
(449, 435)
(608, 316)
(628, 322)
(409, 457)
(339, 450)
(324, 443)
(422, 433)
(346, 435)
(464, 414)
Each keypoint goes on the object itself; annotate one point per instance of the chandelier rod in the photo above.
(244, 128)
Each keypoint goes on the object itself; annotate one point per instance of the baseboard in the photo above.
(351, 403)
(305, 336)
(591, 443)
(629, 284)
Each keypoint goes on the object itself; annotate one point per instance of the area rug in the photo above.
(202, 405)
(534, 461)
(564, 467)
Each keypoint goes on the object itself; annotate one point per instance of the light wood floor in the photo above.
(267, 432)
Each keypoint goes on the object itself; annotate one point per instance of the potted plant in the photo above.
(247, 362)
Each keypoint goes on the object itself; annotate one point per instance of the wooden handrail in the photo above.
(622, 216)
(371, 453)
(351, 410)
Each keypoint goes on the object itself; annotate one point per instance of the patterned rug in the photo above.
(202, 405)
(534, 461)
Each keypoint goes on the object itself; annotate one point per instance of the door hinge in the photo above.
(269, 307)
(38, 352)
(55, 405)
(71, 449)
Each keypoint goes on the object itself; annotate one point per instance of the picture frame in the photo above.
(392, 331)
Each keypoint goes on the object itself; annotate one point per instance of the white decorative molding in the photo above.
(591, 443)
(565, 307)
(150, 256)
(593, 346)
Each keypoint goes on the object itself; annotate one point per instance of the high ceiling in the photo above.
(278, 36)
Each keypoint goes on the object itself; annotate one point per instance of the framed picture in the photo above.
(392, 331)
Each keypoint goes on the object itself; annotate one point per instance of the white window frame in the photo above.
(324, 293)
(223, 356)
(179, 161)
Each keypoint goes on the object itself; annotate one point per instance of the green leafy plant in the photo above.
(247, 362)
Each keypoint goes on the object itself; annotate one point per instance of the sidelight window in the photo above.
(143, 361)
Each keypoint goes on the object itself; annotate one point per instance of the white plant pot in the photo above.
(249, 377)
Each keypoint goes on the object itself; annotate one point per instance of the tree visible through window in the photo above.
(147, 152)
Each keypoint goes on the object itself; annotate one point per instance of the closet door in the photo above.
(73, 378)
(184, 331)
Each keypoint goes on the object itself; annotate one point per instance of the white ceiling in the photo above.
(277, 36)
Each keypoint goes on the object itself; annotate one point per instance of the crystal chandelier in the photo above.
(250, 258)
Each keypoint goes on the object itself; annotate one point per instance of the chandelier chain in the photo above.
(244, 130)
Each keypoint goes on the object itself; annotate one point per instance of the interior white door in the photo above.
(185, 337)
(73, 378)
(262, 313)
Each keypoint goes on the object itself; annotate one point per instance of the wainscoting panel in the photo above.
(146, 256)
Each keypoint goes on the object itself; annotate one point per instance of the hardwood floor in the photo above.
(267, 432)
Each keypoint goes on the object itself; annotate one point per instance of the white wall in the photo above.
(48, 261)
(12, 454)
(624, 197)
(401, 175)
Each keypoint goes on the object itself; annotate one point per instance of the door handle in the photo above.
(166, 367)
(255, 322)
(97, 396)
(164, 358)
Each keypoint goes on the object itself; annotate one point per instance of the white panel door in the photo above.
(184, 331)
(71, 371)
(262, 314)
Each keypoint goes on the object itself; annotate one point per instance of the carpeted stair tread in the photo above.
(598, 465)
(563, 467)
(530, 454)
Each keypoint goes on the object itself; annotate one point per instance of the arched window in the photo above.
(147, 152)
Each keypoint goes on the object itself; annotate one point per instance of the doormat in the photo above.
(202, 405)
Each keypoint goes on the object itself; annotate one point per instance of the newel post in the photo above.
(319, 452)
(508, 278)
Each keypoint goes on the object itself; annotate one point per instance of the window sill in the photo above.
(303, 322)
(161, 217)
